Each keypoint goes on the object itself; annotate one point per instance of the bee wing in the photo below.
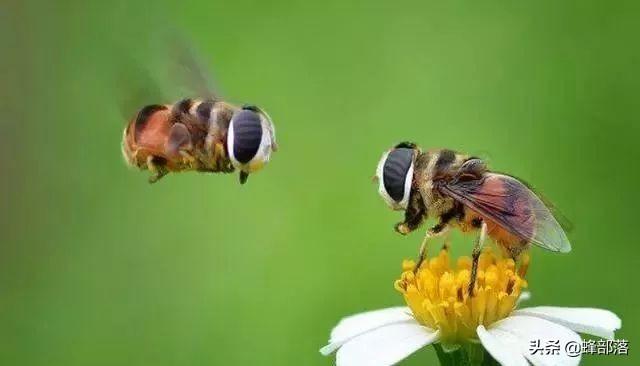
(162, 69)
(189, 71)
(513, 206)
(133, 86)
(563, 220)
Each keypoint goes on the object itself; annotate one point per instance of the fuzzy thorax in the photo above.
(437, 294)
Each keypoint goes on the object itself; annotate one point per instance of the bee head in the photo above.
(250, 140)
(395, 175)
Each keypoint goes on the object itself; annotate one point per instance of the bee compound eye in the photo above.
(247, 134)
(247, 141)
(397, 174)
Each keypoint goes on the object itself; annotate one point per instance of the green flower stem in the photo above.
(468, 354)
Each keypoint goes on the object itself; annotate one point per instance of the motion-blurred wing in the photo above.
(189, 70)
(511, 205)
(161, 70)
(134, 87)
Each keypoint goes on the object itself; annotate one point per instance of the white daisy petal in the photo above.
(598, 322)
(502, 346)
(523, 332)
(386, 345)
(355, 325)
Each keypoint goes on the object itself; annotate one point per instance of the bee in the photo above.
(205, 135)
(461, 192)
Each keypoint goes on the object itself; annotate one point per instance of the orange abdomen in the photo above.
(146, 135)
(507, 241)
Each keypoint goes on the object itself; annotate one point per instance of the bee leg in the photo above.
(413, 216)
(477, 249)
(524, 264)
(229, 168)
(434, 232)
(156, 166)
(223, 163)
(218, 155)
(520, 256)
(186, 156)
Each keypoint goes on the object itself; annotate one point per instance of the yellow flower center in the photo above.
(439, 298)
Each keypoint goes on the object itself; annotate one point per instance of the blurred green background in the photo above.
(97, 267)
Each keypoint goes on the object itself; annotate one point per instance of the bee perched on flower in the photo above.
(469, 328)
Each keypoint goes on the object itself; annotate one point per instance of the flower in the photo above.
(441, 311)
(439, 298)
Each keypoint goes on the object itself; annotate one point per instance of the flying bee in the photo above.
(461, 192)
(207, 134)
(201, 135)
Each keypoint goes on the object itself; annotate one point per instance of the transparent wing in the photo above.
(513, 206)
(161, 70)
(134, 87)
(563, 220)
(188, 69)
